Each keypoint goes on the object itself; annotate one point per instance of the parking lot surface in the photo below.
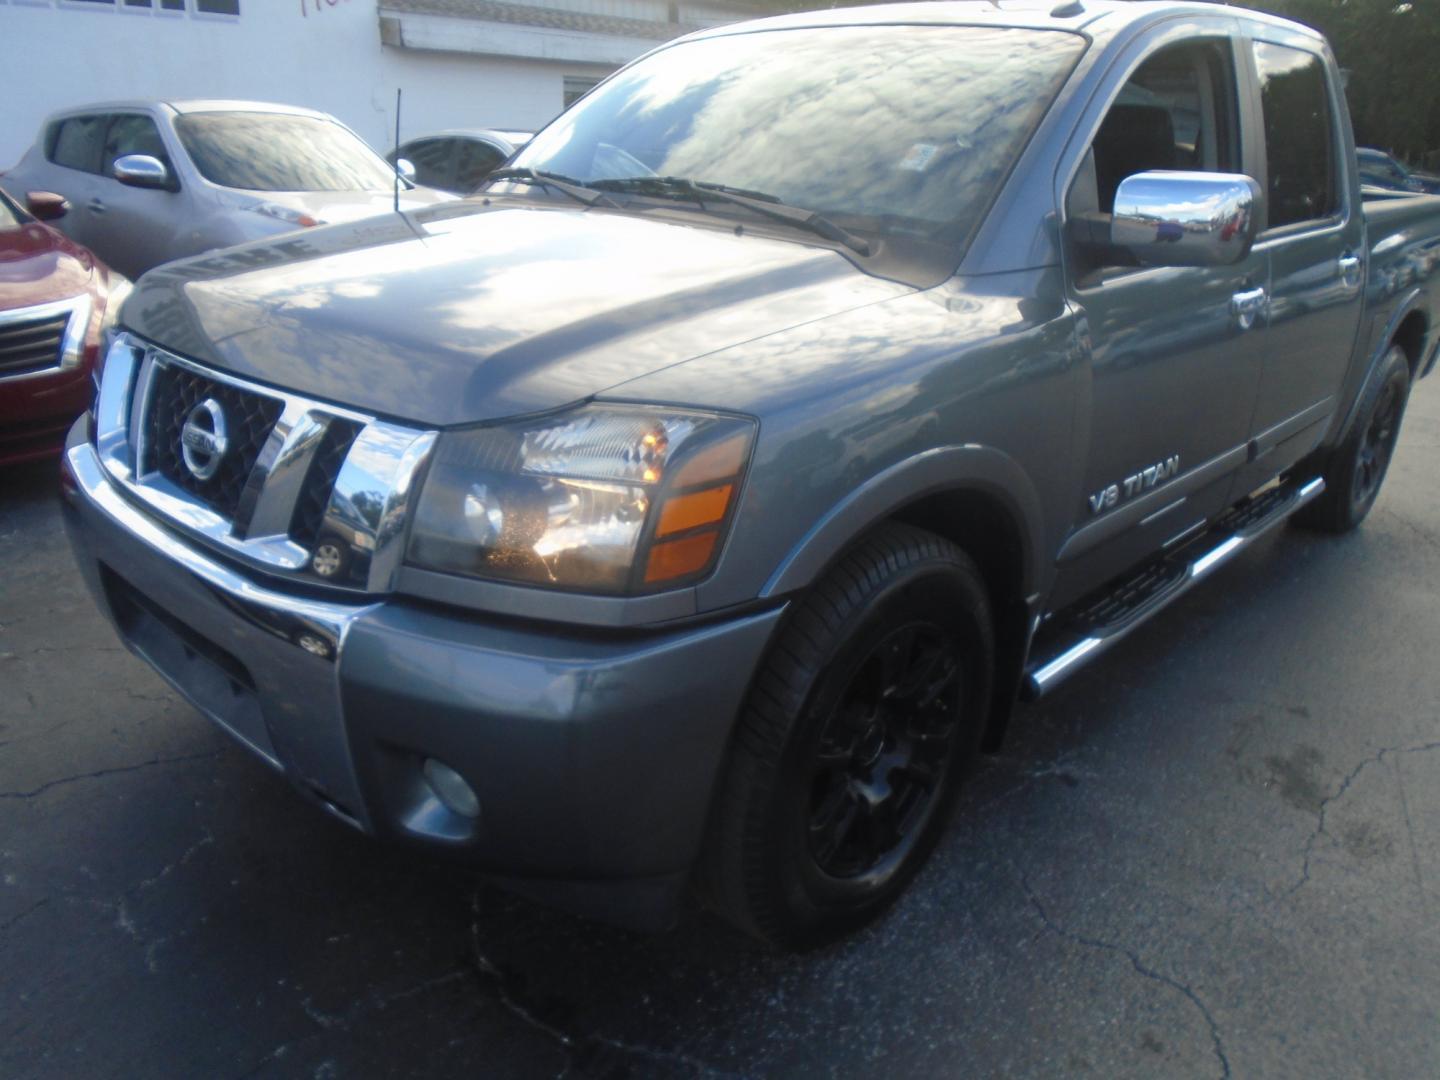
(1215, 853)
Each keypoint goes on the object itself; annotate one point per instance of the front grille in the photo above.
(320, 481)
(31, 345)
(249, 417)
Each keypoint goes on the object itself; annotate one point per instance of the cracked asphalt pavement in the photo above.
(1213, 854)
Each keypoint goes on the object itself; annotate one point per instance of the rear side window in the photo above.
(76, 142)
(1299, 135)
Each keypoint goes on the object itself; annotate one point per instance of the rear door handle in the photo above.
(96, 206)
(1246, 307)
(1350, 270)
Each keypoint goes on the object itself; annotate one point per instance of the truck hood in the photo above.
(467, 312)
(335, 207)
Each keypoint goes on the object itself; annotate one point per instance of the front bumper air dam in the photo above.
(593, 755)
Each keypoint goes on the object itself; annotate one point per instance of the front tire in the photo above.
(1358, 467)
(850, 748)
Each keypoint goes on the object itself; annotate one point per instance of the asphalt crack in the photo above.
(583, 1050)
(1345, 784)
(98, 773)
(1140, 968)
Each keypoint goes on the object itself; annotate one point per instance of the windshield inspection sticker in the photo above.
(919, 157)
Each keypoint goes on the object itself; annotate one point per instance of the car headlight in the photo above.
(120, 289)
(286, 214)
(607, 498)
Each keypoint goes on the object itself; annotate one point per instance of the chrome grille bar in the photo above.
(368, 503)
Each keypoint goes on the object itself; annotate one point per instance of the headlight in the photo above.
(120, 289)
(608, 498)
(286, 214)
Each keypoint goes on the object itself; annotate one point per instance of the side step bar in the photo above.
(1093, 626)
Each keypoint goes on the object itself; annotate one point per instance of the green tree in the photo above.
(1391, 51)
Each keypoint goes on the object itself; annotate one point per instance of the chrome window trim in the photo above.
(72, 343)
(380, 469)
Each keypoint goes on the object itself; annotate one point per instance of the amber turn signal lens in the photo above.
(680, 558)
(684, 512)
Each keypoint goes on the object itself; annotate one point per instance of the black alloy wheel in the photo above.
(1355, 470)
(852, 743)
(885, 751)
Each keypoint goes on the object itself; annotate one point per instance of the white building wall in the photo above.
(321, 54)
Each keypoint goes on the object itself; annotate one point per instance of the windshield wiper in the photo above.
(758, 201)
(574, 188)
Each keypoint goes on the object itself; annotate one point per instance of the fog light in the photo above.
(451, 789)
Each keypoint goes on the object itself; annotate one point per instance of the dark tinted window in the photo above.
(434, 161)
(474, 160)
(1299, 135)
(277, 152)
(77, 142)
(132, 134)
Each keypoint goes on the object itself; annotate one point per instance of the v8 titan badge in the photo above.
(1110, 497)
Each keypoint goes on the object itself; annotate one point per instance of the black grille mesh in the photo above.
(320, 481)
(248, 420)
(31, 345)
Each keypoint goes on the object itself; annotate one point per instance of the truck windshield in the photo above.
(899, 134)
(258, 151)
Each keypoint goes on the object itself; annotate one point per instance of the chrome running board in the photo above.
(1085, 631)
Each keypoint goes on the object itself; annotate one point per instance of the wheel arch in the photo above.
(1408, 327)
(977, 497)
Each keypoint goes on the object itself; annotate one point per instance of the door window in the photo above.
(130, 133)
(1177, 112)
(76, 142)
(432, 159)
(1299, 139)
(474, 161)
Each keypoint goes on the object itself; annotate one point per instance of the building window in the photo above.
(576, 88)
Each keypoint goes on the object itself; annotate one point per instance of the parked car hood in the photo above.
(38, 264)
(468, 312)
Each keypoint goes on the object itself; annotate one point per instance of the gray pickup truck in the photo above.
(689, 508)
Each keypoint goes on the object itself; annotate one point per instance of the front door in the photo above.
(1173, 371)
(136, 227)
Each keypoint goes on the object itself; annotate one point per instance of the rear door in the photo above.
(1314, 241)
(135, 227)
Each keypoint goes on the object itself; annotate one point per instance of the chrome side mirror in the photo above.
(142, 171)
(405, 169)
(1186, 218)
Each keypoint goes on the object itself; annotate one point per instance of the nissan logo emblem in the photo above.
(202, 440)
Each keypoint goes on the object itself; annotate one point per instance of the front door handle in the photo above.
(1247, 307)
(96, 206)
(1350, 270)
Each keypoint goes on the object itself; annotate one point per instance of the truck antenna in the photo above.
(396, 164)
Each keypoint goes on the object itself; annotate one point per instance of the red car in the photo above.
(55, 300)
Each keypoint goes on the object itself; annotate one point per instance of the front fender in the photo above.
(982, 470)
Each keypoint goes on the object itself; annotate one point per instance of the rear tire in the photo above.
(1358, 466)
(851, 746)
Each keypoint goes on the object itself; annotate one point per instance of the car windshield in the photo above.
(258, 151)
(901, 133)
